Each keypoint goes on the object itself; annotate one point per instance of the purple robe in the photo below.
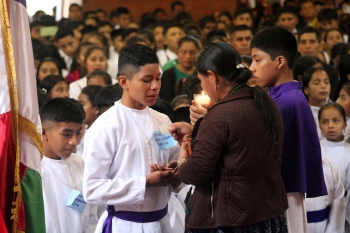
(301, 159)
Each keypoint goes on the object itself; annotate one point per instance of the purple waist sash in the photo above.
(139, 217)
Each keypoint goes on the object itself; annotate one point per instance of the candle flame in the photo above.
(202, 92)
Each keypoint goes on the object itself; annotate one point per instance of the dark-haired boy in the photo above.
(67, 44)
(62, 171)
(274, 52)
(287, 17)
(120, 17)
(128, 165)
(243, 16)
(117, 42)
(241, 36)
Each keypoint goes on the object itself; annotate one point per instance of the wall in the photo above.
(197, 8)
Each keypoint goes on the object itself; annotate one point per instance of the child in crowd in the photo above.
(332, 37)
(77, 68)
(139, 177)
(62, 171)
(274, 52)
(158, 30)
(95, 59)
(46, 67)
(56, 86)
(302, 64)
(316, 87)
(118, 43)
(344, 101)
(99, 78)
(107, 96)
(67, 44)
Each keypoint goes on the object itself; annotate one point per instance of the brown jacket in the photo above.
(229, 164)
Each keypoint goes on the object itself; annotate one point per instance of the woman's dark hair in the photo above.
(332, 105)
(188, 39)
(340, 49)
(103, 39)
(91, 92)
(222, 59)
(247, 59)
(50, 81)
(105, 76)
(331, 30)
(344, 70)
(346, 87)
(307, 75)
(48, 59)
(302, 64)
(75, 65)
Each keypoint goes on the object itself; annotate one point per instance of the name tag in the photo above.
(76, 201)
(164, 142)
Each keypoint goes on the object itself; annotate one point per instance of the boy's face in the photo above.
(241, 41)
(287, 21)
(264, 70)
(142, 88)
(210, 26)
(68, 45)
(243, 19)
(106, 30)
(61, 139)
(308, 44)
(172, 37)
(308, 11)
(118, 43)
(124, 20)
(329, 24)
(75, 13)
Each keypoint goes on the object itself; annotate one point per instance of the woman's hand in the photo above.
(198, 112)
(180, 131)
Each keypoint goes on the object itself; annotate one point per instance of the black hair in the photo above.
(60, 110)
(241, 28)
(286, 10)
(162, 106)
(206, 19)
(118, 12)
(88, 29)
(64, 32)
(183, 18)
(332, 105)
(36, 23)
(276, 41)
(176, 3)
(48, 20)
(346, 87)
(172, 25)
(217, 34)
(103, 39)
(241, 11)
(188, 39)
(49, 59)
(178, 100)
(136, 40)
(146, 34)
(75, 5)
(327, 15)
(116, 32)
(222, 59)
(310, 30)
(247, 59)
(43, 97)
(103, 24)
(74, 24)
(97, 21)
(331, 30)
(344, 69)
(43, 51)
(132, 57)
(227, 14)
(75, 65)
(181, 115)
(191, 29)
(88, 14)
(302, 64)
(147, 22)
(157, 10)
(127, 32)
(91, 92)
(50, 81)
(105, 76)
(340, 49)
(107, 96)
(192, 86)
(307, 75)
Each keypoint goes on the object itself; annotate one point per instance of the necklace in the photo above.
(237, 87)
(147, 140)
(70, 171)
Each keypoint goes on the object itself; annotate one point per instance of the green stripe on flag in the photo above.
(32, 194)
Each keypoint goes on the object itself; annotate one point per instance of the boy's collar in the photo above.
(284, 87)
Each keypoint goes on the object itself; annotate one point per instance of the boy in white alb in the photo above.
(130, 166)
(62, 171)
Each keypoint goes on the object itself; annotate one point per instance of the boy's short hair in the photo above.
(127, 32)
(132, 57)
(172, 25)
(105, 76)
(116, 32)
(91, 92)
(241, 11)
(148, 34)
(241, 28)
(286, 10)
(75, 5)
(176, 3)
(327, 15)
(107, 96)
(62, 110)
(63, 32)
(181, 115)
(276, 41)
(310, 30)
(103, 24)
(118, 12)
(88, 30)
(206, 19)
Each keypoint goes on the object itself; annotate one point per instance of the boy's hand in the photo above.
(161, 177)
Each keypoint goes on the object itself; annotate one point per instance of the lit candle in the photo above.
(201, 99)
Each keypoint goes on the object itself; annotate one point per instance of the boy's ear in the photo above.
(96, 111)
(44, 133)
(123, 81)
(281, 61)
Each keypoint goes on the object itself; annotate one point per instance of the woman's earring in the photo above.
(215, 86)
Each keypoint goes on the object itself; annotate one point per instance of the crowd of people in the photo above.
(129, 140)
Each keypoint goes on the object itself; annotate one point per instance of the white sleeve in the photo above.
(93, 219)
(336, 217)
(100, 149)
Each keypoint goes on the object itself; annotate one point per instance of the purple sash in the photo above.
(318, 215)
(139, 217)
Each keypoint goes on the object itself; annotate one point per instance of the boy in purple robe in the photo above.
(274, 52)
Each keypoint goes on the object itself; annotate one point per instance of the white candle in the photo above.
(201, 99)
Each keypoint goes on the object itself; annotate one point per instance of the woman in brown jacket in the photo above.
(235, 164)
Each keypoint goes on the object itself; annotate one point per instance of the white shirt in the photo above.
(113, 55)
(347, 129)
(335, 200)
(315, 111)
(68, 60)
(117, 163)
(165, 56)
(112, 70)
(76, 87)
(58, 217)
